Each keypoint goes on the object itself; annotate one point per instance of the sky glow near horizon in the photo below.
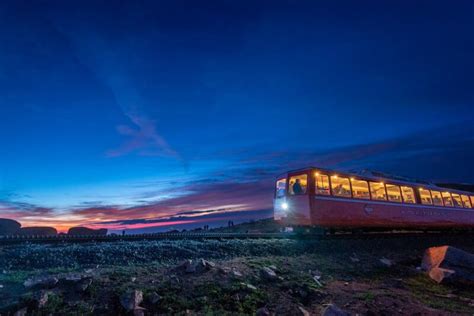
(125, 116)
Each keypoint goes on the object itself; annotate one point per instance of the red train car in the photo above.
(329, 199)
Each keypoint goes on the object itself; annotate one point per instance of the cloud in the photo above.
(143, 139)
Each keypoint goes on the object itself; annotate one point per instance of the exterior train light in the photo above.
(284, 206)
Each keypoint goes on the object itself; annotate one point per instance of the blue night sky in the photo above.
(138, 114)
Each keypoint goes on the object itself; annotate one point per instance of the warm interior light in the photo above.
(352, 179)
(334, 176)
(316, 174)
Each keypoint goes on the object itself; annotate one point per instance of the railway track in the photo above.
(7, 240)
(139, 237)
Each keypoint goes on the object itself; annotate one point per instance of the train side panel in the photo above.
(350, 213)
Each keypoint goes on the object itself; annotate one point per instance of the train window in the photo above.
(340, 186)
(472, 201)
(465, 201)
(393, 192)
(457, 200)
(298, 184)
(322, 184)
(425, 196)
(360, 189)
(377, 190)
(447, 200)
(280, 188)
(408, 195)
(436, 197)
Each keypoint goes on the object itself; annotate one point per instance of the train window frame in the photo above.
(388, 194)
(361, 197)
(321, 190)
(463, 201)
(372, 196)
(438, 193)
(423, 191)
(451, 203)
(459, 202)
(290, 186)
(405, 194)
(348, 193)
(277, 196)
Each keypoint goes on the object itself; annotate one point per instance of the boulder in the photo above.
(75, 231)
(447, 264)
(38, 231)
(9, 227)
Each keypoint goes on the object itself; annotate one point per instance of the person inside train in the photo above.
(297, 188)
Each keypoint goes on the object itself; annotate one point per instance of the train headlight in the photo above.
(284, 206)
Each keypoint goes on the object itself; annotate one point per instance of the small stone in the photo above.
(317, 279)
(248, 286)
(133, 279)
(139, 312)
(263, 311)
(333, 310)
(204, 265)
(41, 298)
(21, 312)
(131, 300)
(154, 298)
(303, 312)
(84, 284)
(268, 274)
(1, 286)
(386, 262)
(43, 281)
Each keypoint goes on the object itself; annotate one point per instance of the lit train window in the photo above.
(322, 184)
(436, 197)
(472, 201)
(280, 188)
(360, 189)
(465, 201)
(448, 201)
(408, 195)
(457, 200)
(425, 196)
(393, 192)
(377, 190)
(298, 184)
(340, 186)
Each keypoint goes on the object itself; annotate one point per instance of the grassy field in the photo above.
(364, 276)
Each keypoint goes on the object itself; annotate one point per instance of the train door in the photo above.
(298, 202)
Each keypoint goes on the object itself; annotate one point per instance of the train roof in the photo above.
(381, 176)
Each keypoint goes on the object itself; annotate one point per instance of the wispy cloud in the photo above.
(142, 138)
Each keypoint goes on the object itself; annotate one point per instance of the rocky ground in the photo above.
(264, 277)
